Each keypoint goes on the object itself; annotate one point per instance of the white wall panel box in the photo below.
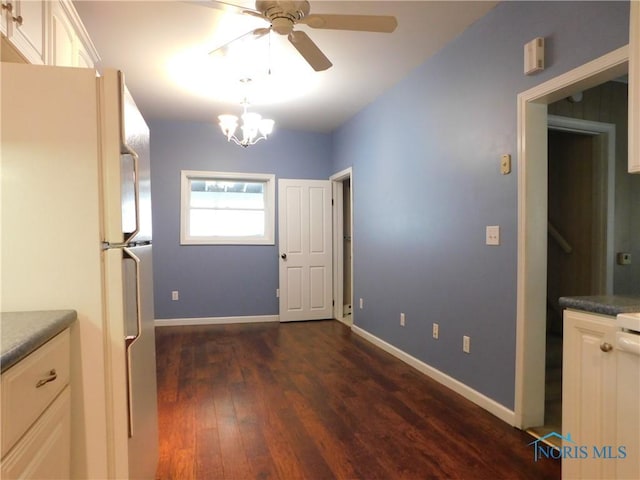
(534, 56)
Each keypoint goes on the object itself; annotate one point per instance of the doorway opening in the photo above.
(533, 226)
(343, 246)
(581, 197)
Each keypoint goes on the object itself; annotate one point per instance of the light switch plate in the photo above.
(493, 235)
(505, 164)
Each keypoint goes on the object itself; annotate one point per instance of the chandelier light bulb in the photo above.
(266, 126)
(250, 125)
(254, 128)
(228, 124)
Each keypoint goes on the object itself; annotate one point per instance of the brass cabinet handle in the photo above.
(606, 347)
(49, 378)
(9, 8)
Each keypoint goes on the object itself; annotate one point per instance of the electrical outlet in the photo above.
(466, 344)
(402, 319)
(493, 235)
(277, 293)
(361, 304)
(624, 258)
(175, 295)
(436, 331)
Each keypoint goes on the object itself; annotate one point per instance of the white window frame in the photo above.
(186, 176)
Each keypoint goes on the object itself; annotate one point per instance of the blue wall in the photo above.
(219, 280)
(426, 182)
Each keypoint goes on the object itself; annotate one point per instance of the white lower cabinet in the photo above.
(36, 414)
(589, 396)
(44, 452)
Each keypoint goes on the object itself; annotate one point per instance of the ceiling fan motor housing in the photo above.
(283, 14)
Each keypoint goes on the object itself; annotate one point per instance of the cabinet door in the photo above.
(44, 451)
(588, 392)
(62, 44)
(5, 18)
(83, 58)
(25, 27)
(70, 45)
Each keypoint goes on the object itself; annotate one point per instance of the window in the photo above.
(227, 208)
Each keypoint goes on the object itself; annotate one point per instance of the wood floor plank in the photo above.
(282, 448)
(323, 432)
(251, 428)
(207, 454)
(326, 421)
(310, 400)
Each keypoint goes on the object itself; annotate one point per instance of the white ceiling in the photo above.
(163, 48)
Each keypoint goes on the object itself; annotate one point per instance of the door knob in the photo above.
(283, 256)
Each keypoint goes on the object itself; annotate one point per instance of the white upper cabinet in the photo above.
(45, 32)
(62, 37)
(634, 88)
(24, 24)
(69, 45)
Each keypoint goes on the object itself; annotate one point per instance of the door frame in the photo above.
(604, 191)
(532, 224)
(337, 180)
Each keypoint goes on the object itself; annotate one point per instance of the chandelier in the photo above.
(254, 128)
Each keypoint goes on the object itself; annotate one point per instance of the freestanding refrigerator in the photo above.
(76, 234)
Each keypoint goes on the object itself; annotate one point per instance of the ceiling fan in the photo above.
(284, 15)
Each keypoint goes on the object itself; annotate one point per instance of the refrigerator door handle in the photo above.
(135, 159)
(131, 339)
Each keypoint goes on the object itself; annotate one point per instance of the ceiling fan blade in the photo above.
(226, 7)
(252, 35)
(310, 51)
(362, 23)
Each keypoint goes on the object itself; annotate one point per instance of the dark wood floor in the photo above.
(312, 400)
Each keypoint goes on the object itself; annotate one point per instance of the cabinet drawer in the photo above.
(44, 452)
(25, 394)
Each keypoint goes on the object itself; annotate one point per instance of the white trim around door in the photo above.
(532, 224)
(337, 183)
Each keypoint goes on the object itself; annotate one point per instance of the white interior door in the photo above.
(304, 212)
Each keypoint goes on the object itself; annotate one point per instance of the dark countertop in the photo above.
(603, 304)
(23, 332)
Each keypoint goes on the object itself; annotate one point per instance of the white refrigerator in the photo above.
(76, 234)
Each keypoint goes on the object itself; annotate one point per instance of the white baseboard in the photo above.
(347, 320)
(177, 322)
(500, 411)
